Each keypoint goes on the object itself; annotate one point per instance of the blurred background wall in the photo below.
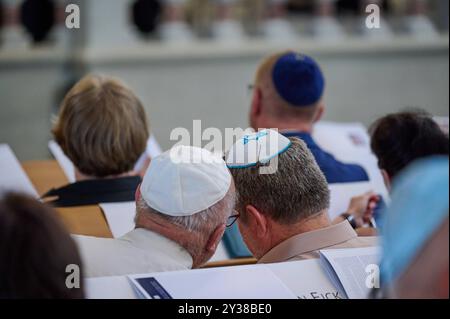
(206, 77)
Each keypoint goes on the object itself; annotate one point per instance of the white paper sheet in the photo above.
(12, 175)
(245, 282)
(347, 269)
(341, 194)
(64, 162)
(120, 217)
(342, 139)
(153, 148)
(350, 143)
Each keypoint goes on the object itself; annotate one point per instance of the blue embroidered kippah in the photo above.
(298, 79)
(259, 147)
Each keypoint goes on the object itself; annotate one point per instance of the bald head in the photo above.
(288, 89)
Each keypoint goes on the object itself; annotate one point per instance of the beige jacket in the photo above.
(138, 252)
(307, 245)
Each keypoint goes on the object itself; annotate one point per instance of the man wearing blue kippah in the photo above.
(288, 95)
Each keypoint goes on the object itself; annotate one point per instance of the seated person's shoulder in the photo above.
(90, 243)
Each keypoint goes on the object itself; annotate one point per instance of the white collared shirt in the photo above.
(139, 251)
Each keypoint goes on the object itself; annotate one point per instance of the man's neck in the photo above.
(289, 126)
(172, 232)
(280, 233)
(82, 177)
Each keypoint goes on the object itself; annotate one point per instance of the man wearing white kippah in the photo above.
(283, 200)
(182, 208)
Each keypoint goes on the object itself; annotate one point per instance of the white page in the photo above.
(306, 279)
(342, 139)
(120, 218)
(153, 149)
(64, 162)
(242, 282)
(12, 175)
(350, 143)
(341, 194)
(350, 267)
(116, 287)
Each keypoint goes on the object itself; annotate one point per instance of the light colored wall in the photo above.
(361, 86)
(364, 81)
(27, 96)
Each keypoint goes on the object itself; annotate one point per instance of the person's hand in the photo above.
(362, 207)
(366, 232)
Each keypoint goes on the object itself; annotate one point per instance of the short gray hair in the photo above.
(208, 219)
(295, 191)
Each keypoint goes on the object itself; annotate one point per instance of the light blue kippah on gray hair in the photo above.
(420, 204)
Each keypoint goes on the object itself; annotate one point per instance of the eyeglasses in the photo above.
(232, 219)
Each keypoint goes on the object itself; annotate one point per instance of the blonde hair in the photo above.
(102, 126)
(277, 106)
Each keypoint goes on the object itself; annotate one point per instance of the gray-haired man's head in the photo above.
(191, 232)
(187, 195)
(295, 192)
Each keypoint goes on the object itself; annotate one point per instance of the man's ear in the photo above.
(386, 178)
(215, 238)
(256, 221)
(319, 113)
(256, 106)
